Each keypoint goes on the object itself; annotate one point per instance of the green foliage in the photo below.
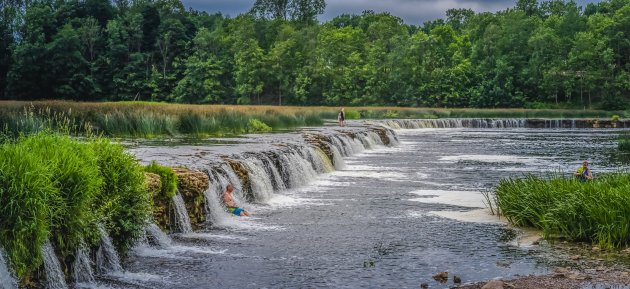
(76, 177)
(124, 203)
(352, 114)
(624, 142)
(535, 55)
(55, 188)
(25, 186)
(168, 179)
(595, 211)
(614, 118)
(258, 126)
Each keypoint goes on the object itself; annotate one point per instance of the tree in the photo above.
(303, 11)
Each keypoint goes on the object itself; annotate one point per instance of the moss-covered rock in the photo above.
(192, 185)
(160, 204)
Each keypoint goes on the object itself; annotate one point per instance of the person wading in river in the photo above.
(231, 205)
(342, 118)
(583, 173)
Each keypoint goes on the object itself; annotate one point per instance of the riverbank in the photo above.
(153, 120)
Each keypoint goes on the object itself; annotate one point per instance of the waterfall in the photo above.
(182, 220)
(262, 188)
(82, 267)
(7, 281)
(455, 123)
(155, 236)
(107, 260)
(54, 275)
(215, 211)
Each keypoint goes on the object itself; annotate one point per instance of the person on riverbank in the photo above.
(342, 118)
(584, 173)
(231, 205)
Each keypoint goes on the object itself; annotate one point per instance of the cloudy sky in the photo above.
(412, 11)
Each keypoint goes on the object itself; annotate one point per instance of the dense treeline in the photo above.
(546, 54)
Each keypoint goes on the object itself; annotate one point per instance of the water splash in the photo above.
(107, 260)
(182, 220)
(82, 267)
(54, 275)
(157, 237)
(7, 281)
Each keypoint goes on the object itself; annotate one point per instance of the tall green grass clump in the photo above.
(53, 187)
(24, 188)
(596, 211)
(124, 203)
(168, 179)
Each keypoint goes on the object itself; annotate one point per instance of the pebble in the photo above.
(493, 285)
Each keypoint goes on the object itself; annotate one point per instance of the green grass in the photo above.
(53, 187)
(597, 211)
(143, 119)
(168, 179)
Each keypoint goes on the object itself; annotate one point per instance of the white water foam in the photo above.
(82, 267)
(54, 275)
(7, 281)
(472, 199)
(181, 214)
(491, 159)
(107, 260)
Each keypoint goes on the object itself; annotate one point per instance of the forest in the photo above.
(550, 54)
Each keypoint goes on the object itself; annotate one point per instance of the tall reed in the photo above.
(595, 211)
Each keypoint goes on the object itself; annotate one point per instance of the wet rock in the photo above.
(153, 182)
(160, 204)
(441, 277)
(382, 133)
(192, 185)
(576, 257)
(243, 175)
(424, 285)
(496, 284)
(322, 142)
(504, 264)
(457, 280)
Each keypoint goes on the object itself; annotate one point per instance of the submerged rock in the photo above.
(441, 277)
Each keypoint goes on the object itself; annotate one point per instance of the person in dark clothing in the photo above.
(341, 118)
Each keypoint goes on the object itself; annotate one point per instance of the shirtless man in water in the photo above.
(231, 205)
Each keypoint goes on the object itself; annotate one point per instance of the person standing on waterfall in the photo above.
(584, 173)
(342, 118)
(231, 205)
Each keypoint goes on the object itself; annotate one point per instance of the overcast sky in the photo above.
(412, 11)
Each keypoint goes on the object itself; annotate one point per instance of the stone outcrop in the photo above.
(192, 185)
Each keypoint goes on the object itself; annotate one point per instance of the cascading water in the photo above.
(455, 123)
(215, 211)
(182, 220)
(54, 275)
(262, 188)
(82, 267)
(155, 236)
(7, 281)
(107, 260)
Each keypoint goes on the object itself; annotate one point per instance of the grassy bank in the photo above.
(55, 188)
(597, 212)
(140, 119)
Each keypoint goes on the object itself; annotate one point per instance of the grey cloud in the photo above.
(412, 11)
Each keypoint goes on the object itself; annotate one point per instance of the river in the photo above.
(390, 217)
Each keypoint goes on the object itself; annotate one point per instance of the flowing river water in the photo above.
(387, 217)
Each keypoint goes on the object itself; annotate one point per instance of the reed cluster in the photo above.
(146, 119)
(595, 211)
(56, 188)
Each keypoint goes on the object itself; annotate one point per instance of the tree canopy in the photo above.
(536, 54)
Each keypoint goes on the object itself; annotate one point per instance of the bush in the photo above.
(614, 118)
